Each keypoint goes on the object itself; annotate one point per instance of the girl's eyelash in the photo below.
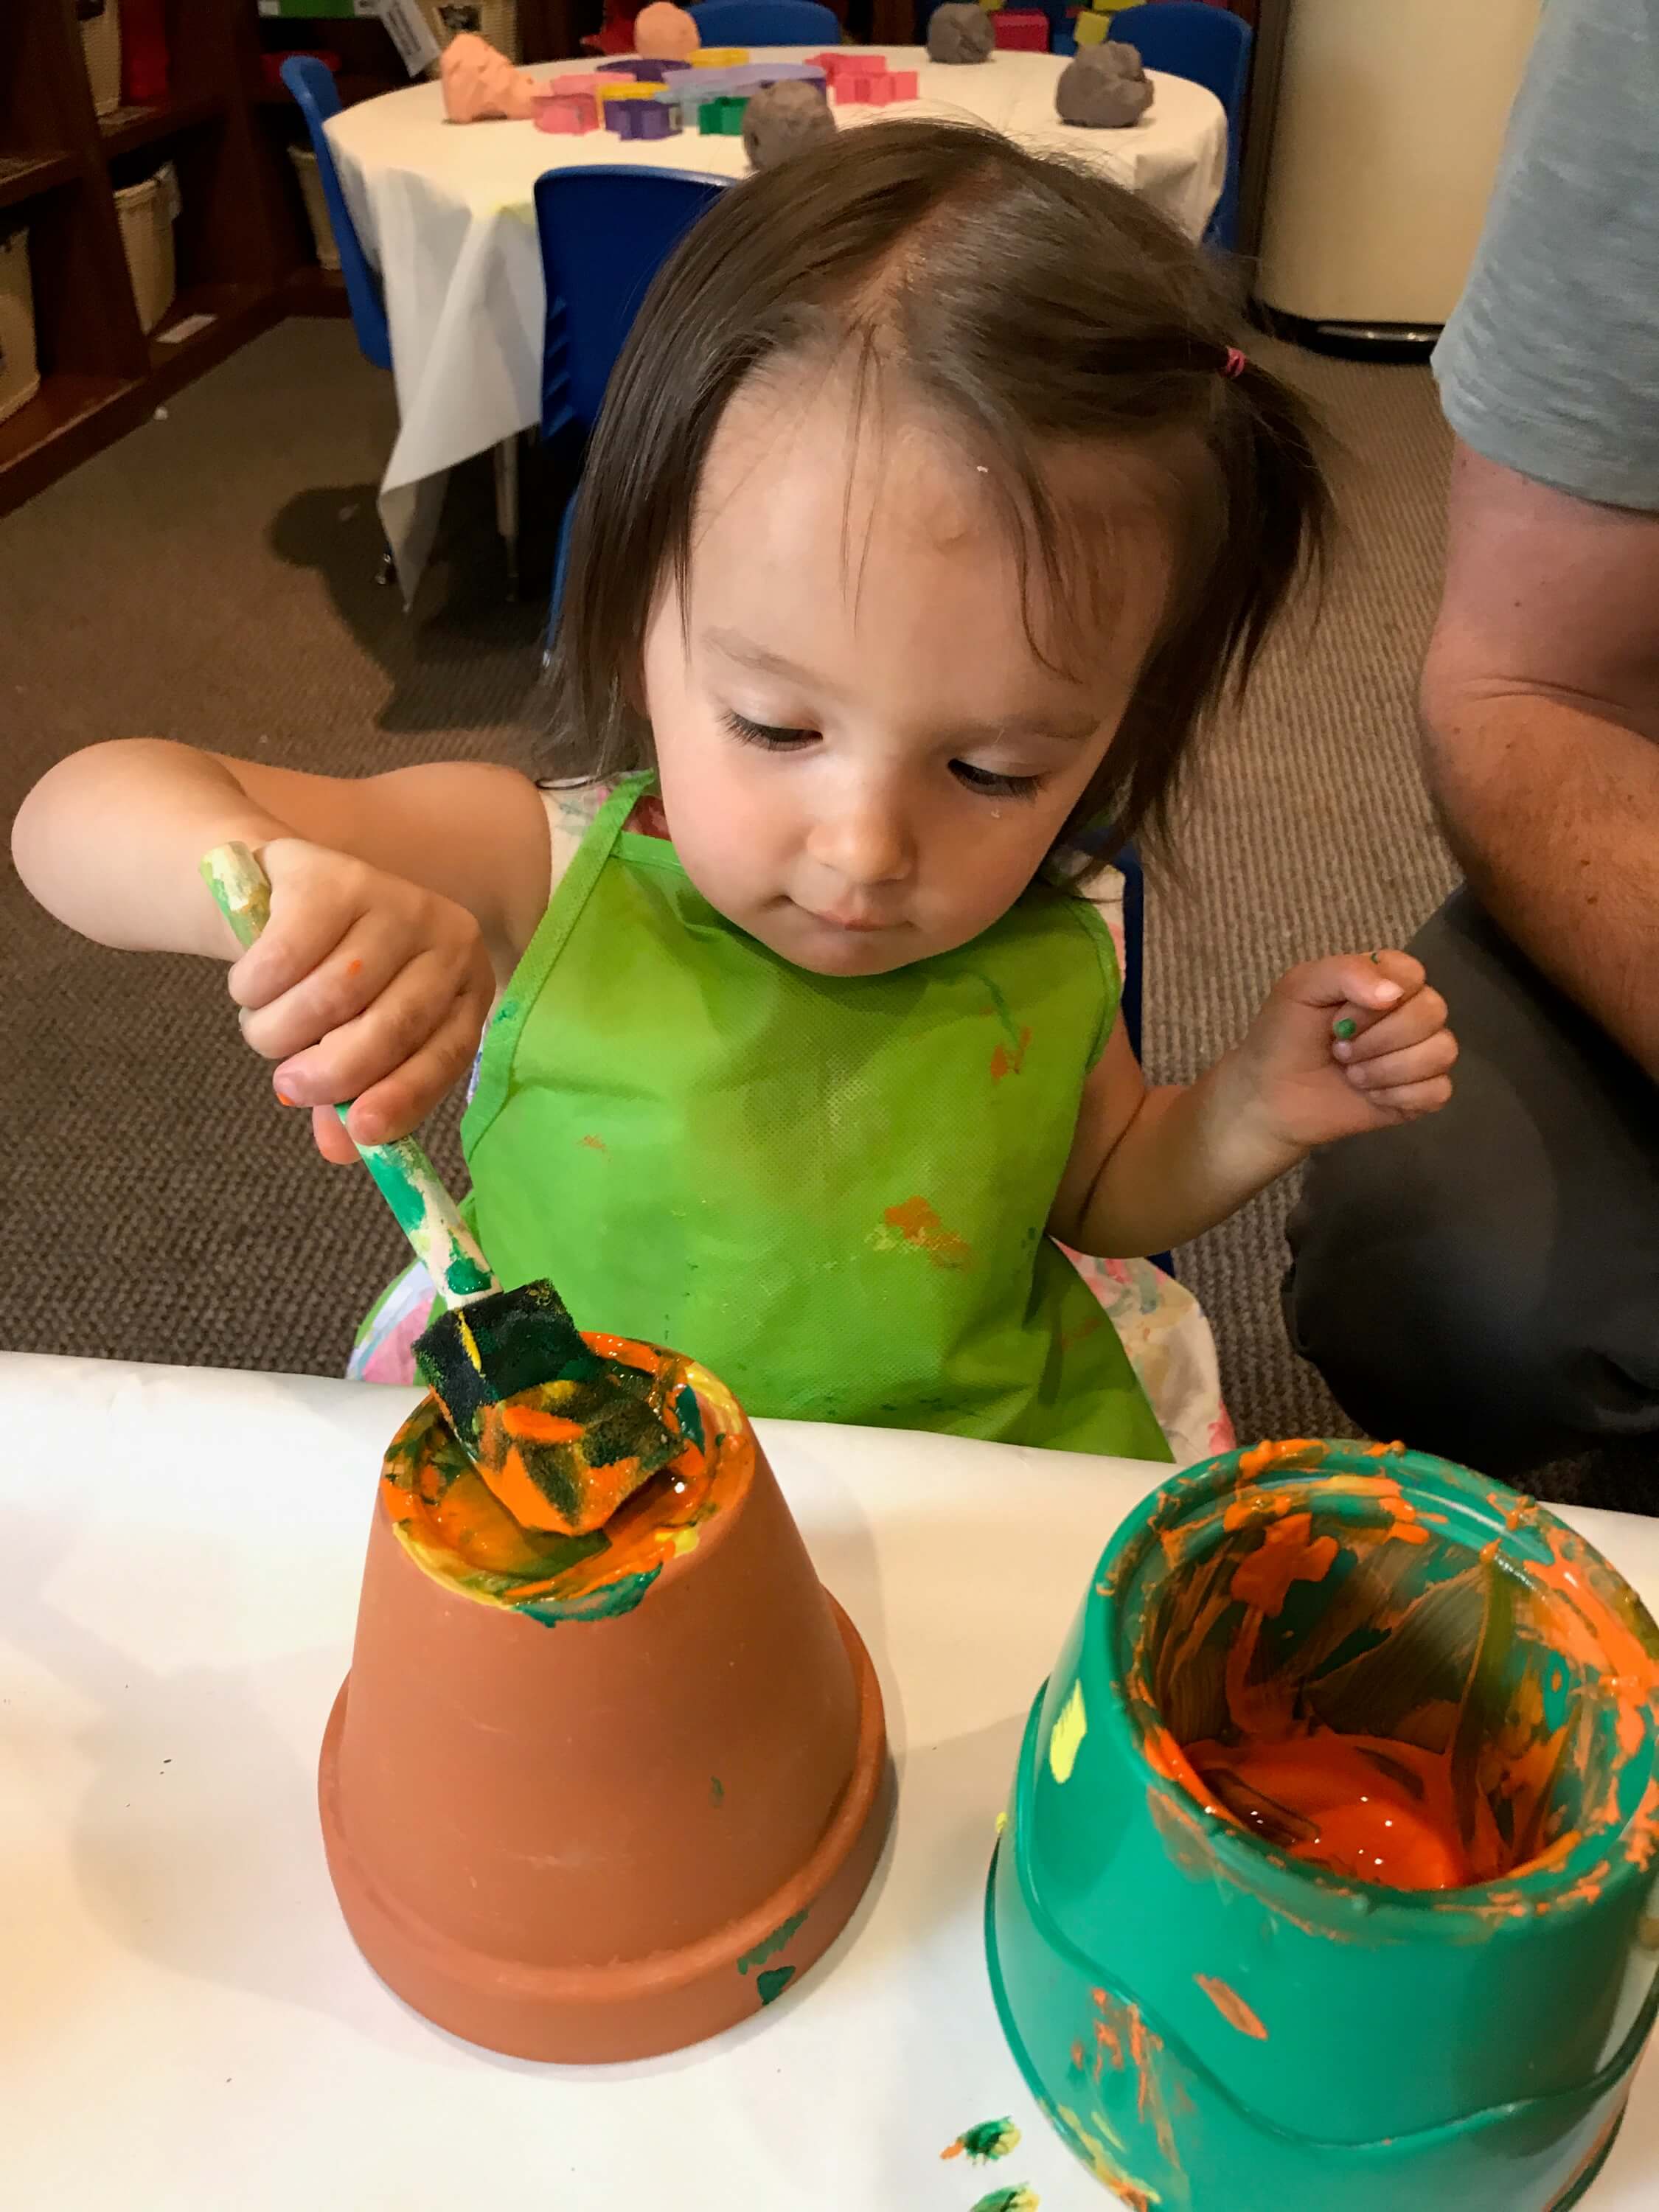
(763, 733)
(772, 739)
(993, 785)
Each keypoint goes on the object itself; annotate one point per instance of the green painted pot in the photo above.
(1217, 2026)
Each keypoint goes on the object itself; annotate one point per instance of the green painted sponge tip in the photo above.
(560, 1434)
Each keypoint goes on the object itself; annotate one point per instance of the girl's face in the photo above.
(863, 759)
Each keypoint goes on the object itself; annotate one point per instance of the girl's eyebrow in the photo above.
(1076, 731)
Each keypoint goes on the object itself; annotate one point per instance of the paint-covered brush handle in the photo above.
(408, 1183)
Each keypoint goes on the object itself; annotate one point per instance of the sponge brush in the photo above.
(560, 1434)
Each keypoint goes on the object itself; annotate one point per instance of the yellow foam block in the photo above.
(720, 58)
(1091, 30)
(628, 92)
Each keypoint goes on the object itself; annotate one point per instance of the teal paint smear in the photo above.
(690, 1415)
(1004, 1011)
(774, 1985)
(466, 1279)
(770, 1946)
(607, 1603)
(716, 1791)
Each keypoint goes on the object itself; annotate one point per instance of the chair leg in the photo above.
(506, 508)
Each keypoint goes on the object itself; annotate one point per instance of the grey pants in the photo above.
(1485, 1284)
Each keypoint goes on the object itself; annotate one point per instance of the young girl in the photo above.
(931, 516)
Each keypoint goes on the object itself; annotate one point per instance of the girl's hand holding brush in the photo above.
(363, 986)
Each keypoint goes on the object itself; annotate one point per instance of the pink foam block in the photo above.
(1021, 30)
(846, 60)
(567, 114)
(875, 87)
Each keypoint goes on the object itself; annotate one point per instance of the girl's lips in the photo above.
(857, 922)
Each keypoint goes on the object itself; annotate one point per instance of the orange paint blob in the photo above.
(1232, 2007)
(1376, 1811)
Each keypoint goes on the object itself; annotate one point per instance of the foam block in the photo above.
(1021, 30)
(567, 114)
(634, 118)
(720, 56)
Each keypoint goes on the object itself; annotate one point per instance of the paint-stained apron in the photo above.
(831, 1190)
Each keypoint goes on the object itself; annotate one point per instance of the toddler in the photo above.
(931, 517)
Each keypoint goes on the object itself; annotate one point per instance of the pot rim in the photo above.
(1576, 1881)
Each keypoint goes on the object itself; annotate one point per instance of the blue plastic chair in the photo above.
(605, 233)
(1208, 47)
(311, 84)
(767, 23)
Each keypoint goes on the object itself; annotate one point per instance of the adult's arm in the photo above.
(1541, 707)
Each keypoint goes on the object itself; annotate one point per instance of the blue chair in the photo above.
(1208, 47)
(605, 233)
(311, 84)
(767, 23)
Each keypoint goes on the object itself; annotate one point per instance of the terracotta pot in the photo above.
(603, 1800)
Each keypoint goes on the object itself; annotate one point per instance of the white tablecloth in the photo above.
(444, 212)
(186, 2026)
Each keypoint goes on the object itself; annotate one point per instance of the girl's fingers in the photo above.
(399, 1103)
(302, 931)
(362, 1052)
(1353, 989)
(331, 1141)
(349, 978)
(1435, 1056)
(1420, 1018)
(1410, 1098)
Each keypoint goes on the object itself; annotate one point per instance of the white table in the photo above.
(444, 212)
(186, 2026)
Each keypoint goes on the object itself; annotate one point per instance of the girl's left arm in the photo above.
(1355, 1043)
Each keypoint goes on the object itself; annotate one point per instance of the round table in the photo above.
(445, 214)
(190, 2027)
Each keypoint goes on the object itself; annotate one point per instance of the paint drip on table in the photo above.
(1381, 1703)
(456, 1527)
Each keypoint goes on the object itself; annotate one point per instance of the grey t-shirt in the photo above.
(1550, 363)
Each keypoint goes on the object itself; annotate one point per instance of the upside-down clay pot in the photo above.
(599, 1797)
(1217, 2022)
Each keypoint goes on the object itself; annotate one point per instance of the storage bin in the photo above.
(100, 41)
(316, 214)
(146, 212)
(20, 375)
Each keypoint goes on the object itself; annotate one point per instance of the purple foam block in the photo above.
(641, 118)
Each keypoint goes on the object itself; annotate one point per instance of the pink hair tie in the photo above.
(1234, 364)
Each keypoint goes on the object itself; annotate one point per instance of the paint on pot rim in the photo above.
(1066, 1737)
(770, 1946)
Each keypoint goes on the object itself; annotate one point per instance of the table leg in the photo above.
(507, 507)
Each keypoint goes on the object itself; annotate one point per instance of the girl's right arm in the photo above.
(398, 903)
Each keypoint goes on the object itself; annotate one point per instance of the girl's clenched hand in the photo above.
(1344, 1045)
(363, 986)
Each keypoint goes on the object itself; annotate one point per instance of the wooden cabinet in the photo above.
(61, 165)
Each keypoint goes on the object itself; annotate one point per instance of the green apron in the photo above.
(831, 1190)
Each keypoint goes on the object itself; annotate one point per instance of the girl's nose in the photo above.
(868, 844)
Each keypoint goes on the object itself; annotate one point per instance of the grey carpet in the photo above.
(212, 578)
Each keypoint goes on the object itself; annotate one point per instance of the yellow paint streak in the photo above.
(1065, 1738)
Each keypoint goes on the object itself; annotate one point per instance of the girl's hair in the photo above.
(1034, 304)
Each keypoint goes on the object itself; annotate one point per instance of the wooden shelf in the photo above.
(130, 127)
(65, 404)
(23, 175)
(237, 310)
(314, 291)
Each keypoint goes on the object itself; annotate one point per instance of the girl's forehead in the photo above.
(817, 494)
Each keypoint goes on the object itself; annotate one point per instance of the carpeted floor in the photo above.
(212, 578)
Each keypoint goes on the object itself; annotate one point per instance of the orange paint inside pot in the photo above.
(1376, 1810)
(1394, 1694)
